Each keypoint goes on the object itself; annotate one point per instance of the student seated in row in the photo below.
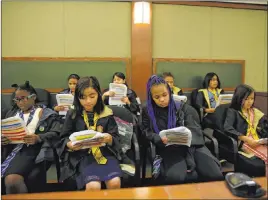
(72, 81)
(178, 161)
(130, 100)
(87, 168)
(169, 78)
(207, 97)
(23, 163)
(247, 125)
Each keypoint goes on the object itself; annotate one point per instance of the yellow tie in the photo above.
(251, 129)
(96, 152)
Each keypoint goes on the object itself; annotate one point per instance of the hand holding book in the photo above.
(14, 130)
(4, 140)
(88, 139)
(176, 136)
(263, 141)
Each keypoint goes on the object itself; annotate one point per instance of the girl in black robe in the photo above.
(207, 98)
(72, 81)
(84, 166)
(130, 100)
(23, 164)
(247, 125)
(178, 161)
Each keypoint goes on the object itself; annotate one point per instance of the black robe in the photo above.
(70, 160)
(28, 162)
(235, 125)
(48, 129)
(176, 158)
(133, 107)
(203, 102)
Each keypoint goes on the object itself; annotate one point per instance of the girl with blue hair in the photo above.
(179, 163)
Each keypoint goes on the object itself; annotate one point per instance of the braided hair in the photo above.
(157, 80)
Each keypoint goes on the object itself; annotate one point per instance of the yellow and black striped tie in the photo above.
(96, 152)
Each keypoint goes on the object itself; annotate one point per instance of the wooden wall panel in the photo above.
(141, 55)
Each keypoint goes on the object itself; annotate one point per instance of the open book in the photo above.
(88, 138)
(65, 100)
(14, 128)
(179, 135)
(259, 151)
(224, 99)
(120, 92)
(179, 98)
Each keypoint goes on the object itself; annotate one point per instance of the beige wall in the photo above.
(213, 33)
(102, 29)
(66, 29)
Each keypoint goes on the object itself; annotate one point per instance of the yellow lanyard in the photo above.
(95, 150)
(176, 90)
(251, 129)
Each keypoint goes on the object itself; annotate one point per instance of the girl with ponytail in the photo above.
(23, 163)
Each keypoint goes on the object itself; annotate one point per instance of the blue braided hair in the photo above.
(157, 80)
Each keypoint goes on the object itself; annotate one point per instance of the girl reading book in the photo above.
(247, 125)
(72, 81)
(23, 163)
(178, 162)
(87, 168)
(129, 100)
(208, 96)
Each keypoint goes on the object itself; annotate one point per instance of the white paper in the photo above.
(224, 99)
(87, 142)
(120, 92)
(179, 98)
(263, 141)
(138, 100)
(179, 135)
(65, 100)
(14, 128)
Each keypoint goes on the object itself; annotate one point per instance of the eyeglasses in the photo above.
(23, 98)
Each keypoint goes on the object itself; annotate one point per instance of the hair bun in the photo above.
(14, 85)
(27, 84)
